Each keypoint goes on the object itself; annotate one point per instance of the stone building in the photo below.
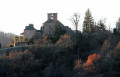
(48, 27)
(29, 31)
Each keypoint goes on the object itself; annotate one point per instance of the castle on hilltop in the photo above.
(48, 27)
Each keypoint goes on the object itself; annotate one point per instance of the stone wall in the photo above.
(21, 44)
(49, 28)
(12, 49)
(29, 33)
(15, 49)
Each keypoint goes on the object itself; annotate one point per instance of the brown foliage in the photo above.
(117, 47)
(65, 40)
(91, 58)
(43, 41)
(106, 44)
(88, 65)
(17, 55)
(78, 64)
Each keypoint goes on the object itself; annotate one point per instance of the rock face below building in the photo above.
(48, 27)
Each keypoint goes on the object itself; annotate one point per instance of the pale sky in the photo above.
(16, 14)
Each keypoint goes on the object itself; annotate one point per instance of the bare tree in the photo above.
(75, 20)
(101, 24)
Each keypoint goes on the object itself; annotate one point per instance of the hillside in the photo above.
(64, 58)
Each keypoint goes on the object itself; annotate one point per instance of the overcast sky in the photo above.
(16, 14)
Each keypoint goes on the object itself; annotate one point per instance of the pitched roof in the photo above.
(49, 21)
(30, 27)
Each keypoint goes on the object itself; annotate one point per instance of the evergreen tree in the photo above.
(88, 24)
(118, 25)
(16, 38)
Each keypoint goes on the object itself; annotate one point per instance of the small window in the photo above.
(52, 16)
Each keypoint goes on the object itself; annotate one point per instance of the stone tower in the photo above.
(52, 16)
(50, 26)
